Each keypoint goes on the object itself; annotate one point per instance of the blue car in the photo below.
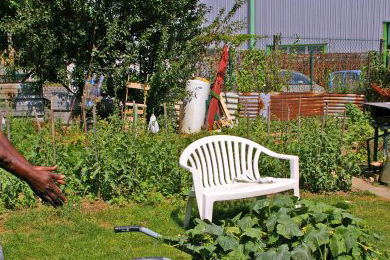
(345, 81)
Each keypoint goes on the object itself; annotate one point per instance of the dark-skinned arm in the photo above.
(11, 149)
(41, 181)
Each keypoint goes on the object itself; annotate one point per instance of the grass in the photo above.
(85, 231)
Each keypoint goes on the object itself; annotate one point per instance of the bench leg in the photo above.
(296, 192)
(207, 209)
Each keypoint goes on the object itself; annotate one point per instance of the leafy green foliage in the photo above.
(252, 72)
(299, 234)
(145, 168)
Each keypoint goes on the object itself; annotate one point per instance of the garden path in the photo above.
(360, 184)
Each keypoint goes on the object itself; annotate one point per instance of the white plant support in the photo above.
(217, 161)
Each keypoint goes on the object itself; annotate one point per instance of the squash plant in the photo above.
(282, 228)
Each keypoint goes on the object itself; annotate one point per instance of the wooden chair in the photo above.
(131, 106)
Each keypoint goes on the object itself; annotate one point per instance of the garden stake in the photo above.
(323, 121)
(53, 133)
(8, 120)
(1, 118)
(135, 114)
(36, 119)
(343, 129)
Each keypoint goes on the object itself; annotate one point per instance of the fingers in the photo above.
(46, 168)
(60, 182)
(58, 178)
(46, 198)
(58, 194)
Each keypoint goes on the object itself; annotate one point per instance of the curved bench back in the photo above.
(218, 159)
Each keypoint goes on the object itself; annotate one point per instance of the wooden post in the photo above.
(248, 124)
(324, 117)
(165, 117)
(326, 112)
(53, 132)
(1, 120)
(36, 118)
(135, 118)
(343, 128)
(95, 131)
(8, 122)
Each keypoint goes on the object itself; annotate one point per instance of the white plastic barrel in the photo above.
(195, 106)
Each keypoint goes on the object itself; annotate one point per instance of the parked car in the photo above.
(345, 81)
(298, 82)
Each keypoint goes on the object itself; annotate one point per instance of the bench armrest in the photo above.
(294, 163)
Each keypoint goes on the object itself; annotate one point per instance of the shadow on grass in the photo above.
(222, 210)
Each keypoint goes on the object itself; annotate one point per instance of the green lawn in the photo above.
(85, 231)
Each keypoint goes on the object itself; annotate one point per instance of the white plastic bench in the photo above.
(215, 161)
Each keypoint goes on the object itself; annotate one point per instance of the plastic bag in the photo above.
(153, 124)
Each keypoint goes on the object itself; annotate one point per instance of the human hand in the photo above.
(50, 169)
(42, 181)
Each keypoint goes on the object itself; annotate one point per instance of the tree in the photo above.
(117, 37)
(155, 40)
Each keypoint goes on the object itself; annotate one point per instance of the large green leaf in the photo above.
(320, 216)
(317, 237)
(260, 205)
(253, 232)
(227, 243)
(247, 222)
(283, 201)
(237, 254)
(302, 252)
(289, 230)
(350, 235)
(252, 247)
(271, 222)
(280, 253)
(337, 245)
